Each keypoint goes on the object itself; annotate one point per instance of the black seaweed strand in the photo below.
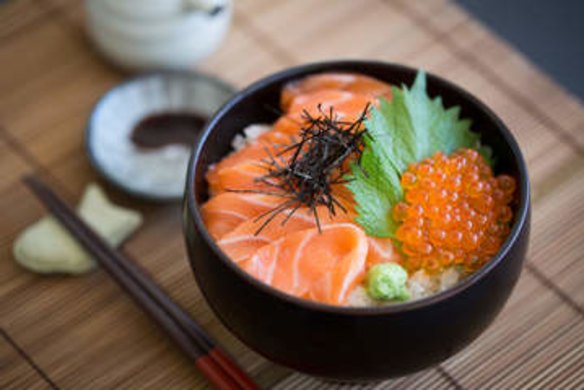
(317, 161)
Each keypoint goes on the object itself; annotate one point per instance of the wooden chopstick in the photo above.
(217, 367)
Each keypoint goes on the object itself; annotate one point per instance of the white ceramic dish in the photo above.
(119, 110)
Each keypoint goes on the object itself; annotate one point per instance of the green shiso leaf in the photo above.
(375, 192)
(407, 129)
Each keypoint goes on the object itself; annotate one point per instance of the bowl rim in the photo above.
(316, 67)
(103, 101)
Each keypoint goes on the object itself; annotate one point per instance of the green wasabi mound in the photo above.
(387, 281)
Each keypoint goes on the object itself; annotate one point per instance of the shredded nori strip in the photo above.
(316, 163)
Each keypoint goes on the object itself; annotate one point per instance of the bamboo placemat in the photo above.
(83, 332)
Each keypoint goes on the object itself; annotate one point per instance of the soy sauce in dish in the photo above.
(167, 128)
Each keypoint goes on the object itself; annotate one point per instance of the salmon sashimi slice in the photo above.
(289, 125)
(270, 143)
(321, 266)
(355, 83)
(224, 212)
(346, 105)
(245, 176)
(243, 241)
(382, 250)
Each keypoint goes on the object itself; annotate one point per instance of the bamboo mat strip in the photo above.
(483, 63)
(514, 340)
(12, 160)
(19, 371)
(520, 75)
(18, 16)
(557, 248)
(139, 346)
(429, 379)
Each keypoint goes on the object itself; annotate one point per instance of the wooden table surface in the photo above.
(85, 333)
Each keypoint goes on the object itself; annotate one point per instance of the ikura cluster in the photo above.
(455, 212)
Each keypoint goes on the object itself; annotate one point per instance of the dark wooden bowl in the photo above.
(340, 342)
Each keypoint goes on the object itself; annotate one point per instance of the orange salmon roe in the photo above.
(455, 212)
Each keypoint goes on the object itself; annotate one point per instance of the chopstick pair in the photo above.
(219, 369)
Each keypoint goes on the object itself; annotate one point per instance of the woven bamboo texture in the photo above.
(85, 333)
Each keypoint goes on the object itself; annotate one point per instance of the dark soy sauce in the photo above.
(167, 128)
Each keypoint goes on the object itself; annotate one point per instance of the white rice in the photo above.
(420, 285)
(250, 134)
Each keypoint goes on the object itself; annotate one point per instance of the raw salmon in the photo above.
(244, 176)
(224, 212)
(346, 106)
(289, 125)
(355, 83)
(243, 241)
(320, 266)
(228, 211)
(382, 250)
(271, 142)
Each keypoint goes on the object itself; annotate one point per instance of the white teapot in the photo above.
(157, 34)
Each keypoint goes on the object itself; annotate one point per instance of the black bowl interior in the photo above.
(259, 104)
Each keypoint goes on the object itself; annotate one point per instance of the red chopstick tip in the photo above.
(217, 377)
(236, 373)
